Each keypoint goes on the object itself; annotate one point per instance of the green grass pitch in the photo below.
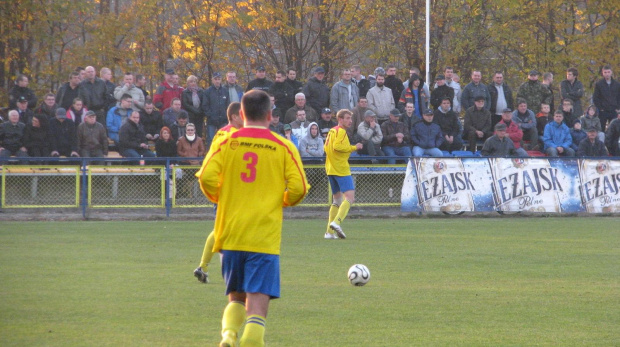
(435, 282)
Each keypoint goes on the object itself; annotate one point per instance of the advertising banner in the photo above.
(549, 185)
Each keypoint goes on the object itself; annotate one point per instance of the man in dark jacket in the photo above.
(215, 101)
(362, 84)
(48, 106)
(19, 90)
(63, 140)
(260, 82)
(25, 114)
(501, 97)
(572, 88)
(283, 92)
(426, 136)
(592, 146)
(191, 99)
(36, 136)
(316, 91)
(441, 91)
(132, 139)
(606, 96)
(68, 91)
(477, 123)
(450, 126)
(91, 137)
(151, 120)
(12, 137)
(500, 144)
(612, 136)
(394, 83)
(473, 90)
(94, 93)
(396, 138)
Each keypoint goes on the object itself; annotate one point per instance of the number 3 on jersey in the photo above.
(252, 159)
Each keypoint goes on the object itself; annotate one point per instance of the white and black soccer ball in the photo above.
(358, 275)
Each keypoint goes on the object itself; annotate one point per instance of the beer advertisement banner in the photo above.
(549, 185)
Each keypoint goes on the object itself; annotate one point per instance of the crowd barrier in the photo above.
(550, 185)
(167, 183)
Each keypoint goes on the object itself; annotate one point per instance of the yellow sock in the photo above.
(343, 211)
(254, 332)
(333, 211)
(232, 320)
(207, 253)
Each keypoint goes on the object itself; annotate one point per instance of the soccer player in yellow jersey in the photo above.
(252, 175)
(338, 149)
(234, 123)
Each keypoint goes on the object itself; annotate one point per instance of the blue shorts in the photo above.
(250, 272)
(341, 183)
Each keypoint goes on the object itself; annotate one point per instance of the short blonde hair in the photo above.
(192, 78)
(343, 112)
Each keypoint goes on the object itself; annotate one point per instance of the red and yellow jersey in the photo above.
(337, 150)
(252, 175)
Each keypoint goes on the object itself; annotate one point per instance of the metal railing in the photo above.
(167, 183)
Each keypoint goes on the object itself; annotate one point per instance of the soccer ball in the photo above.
(358, 275)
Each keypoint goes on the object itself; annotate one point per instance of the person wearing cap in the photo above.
(396, 138)
(260, 82)
(316, 91)
(167, 91)
(288, 134)
(326, 122)
(557, 137)
(276, 125)
(63, 138)
(92, 141)
(414, 94)
(526, 120)
(473, 90)
(300, 104)
(592, 146)
(441, 91)
(344, 93)
(215, 101)
(48, 106)
(534, 92)
(500, 144)
(606, 96)
(577, 134)
(370, 135)
(36, 136)
(25, 114)
(94, 93)
(117, 116)
(450, 125)
(501, 97)
(426, 136)
(21, 90)
(338, 149)
(612, 136)
(12, 137)
(477, 125)
(191, 102)
(128, 87)
(132, 139)
(381, 99)
(283, 92)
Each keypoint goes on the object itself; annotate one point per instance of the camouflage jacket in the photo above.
(534, 93)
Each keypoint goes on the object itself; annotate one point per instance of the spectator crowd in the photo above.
(89, 115)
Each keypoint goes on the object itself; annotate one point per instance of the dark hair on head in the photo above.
(567, 100)
(281, 72)
(255, 105)
(49, 94)
(390, 66)
(498, 73)
(233, 109)
(174, 99)
(445, 98)
(73, 73)
(448, 68)
(290, 68)
(21, 77)
(413, 78)
(128, 73)
(559, 112)
(606, 67)
(139, 77)
(521, 101)
(573, 71)
(126, 96)
(148, 102)
(79, 68)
